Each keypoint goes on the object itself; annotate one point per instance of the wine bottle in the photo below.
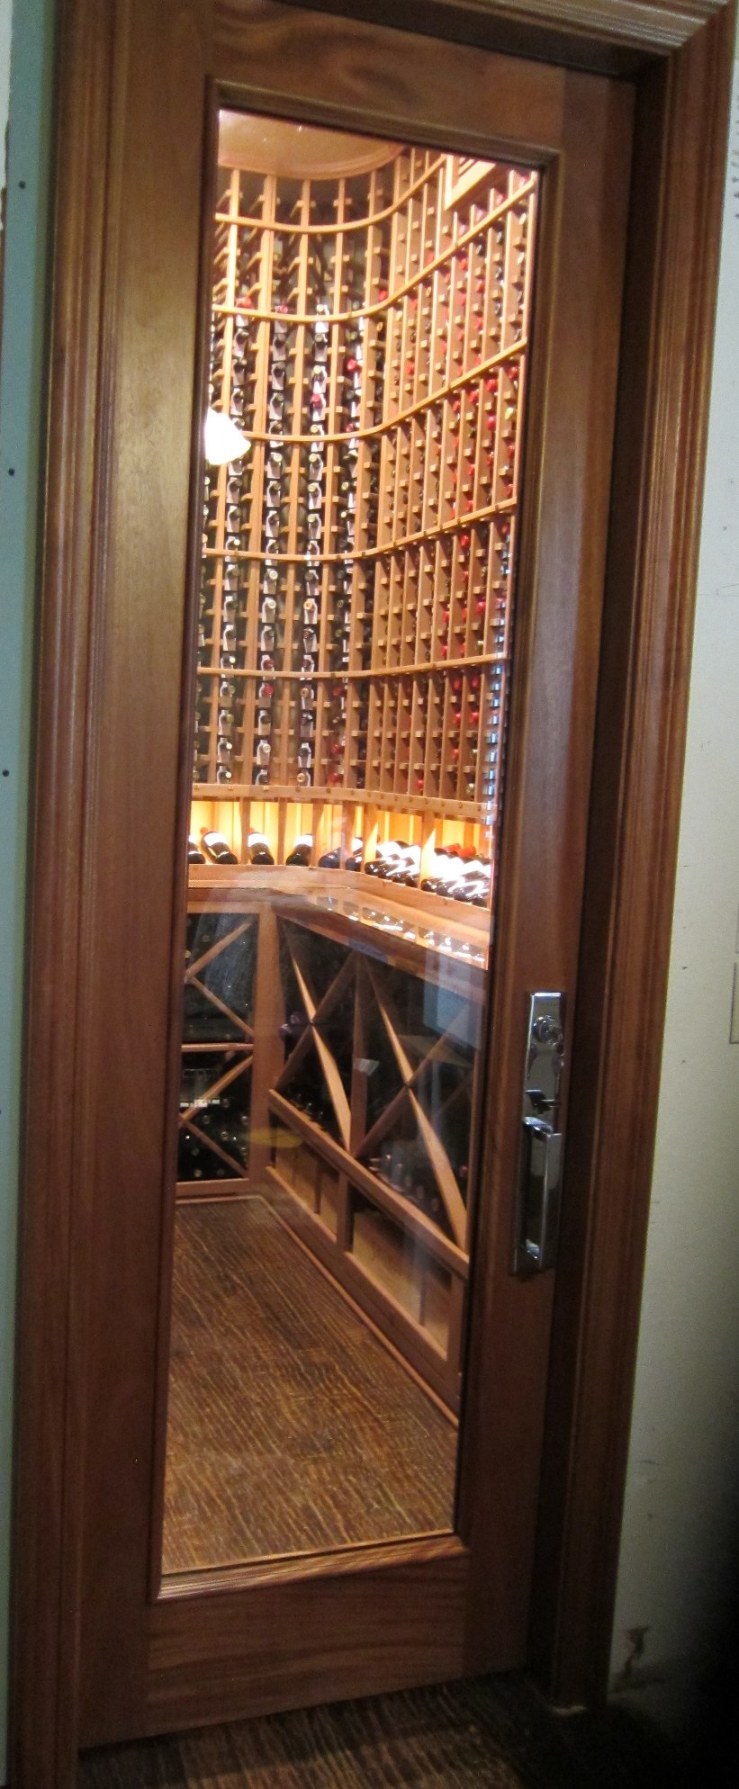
(188, 1158)
(216, 847)
(293, 1028)
(259, 851)
(301, 852)
(194, 853)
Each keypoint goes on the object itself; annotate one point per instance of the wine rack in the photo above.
(370, 333)
(372, 1119)
(350, 1071)
(217, 1050)
(369, 336)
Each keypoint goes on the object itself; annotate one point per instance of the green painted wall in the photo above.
(21, 410)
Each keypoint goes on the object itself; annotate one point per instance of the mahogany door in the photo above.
(158, 1652)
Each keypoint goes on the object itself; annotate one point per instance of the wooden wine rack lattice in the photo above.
(329, 1167)
(358, 1127)
(369, 336)
(217, 1050)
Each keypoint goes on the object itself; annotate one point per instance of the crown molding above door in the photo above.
(606, 36)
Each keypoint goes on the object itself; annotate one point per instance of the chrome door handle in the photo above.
(541, 1174)
(540, 1169)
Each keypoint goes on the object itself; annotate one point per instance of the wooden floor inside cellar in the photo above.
(292, 1427)
(490, 1733)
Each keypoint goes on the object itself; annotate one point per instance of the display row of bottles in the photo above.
(369, 336)
(457, 872)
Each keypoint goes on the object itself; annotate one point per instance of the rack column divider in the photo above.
(331, 504)
(259, 449)
(268, 1051)
(281, 847)
(485, 488)
(293, 412)
(360, 1054)
(378, 708)
(222, 476)
(357, 765)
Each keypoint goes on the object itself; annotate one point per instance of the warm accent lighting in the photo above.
(223, 441)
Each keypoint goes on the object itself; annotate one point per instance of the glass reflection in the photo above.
(369, 335)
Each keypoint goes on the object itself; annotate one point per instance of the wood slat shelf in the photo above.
(434, 397)
(382, 550)
(473, 812)
(325, 229)
(516, 197)
(349, 906)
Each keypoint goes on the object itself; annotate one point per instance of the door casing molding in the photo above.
(679, 56)
(609, 37)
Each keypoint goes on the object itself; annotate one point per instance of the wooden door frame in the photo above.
(679, 55)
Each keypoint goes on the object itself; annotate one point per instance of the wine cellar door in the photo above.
(333, 1139)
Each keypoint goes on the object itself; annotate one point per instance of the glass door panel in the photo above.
(370, 324)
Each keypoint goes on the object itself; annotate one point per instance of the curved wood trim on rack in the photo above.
(684, 51)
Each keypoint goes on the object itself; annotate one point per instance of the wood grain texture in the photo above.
(541, 876)
(363, 1624)
(53, 1221)
(415, 1738)
(146, 373)
(605, 36)
(670, 298)
(345, 1562)
(180, 901)
(458, 99)
(548, 802)
(291, 1428)
(587, 1431)
(488, 1731)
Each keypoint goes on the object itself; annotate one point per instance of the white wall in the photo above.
(680, 1533)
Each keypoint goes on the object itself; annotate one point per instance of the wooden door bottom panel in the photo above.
(353, 1631)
